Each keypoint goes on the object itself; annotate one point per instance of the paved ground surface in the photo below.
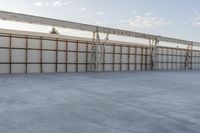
(137, 102)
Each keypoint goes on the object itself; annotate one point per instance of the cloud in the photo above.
(100, 13)
(145, 21)
(82, 9)
(196, 20)
(38, 4)
(98, 22)
(148, 13)
(55, 3)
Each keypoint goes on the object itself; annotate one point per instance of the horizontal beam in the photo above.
(67, 24)
(85, 27)
(179, 41)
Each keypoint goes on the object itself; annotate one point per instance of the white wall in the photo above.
(168, 58)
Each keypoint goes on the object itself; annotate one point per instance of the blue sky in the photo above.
(173, 18)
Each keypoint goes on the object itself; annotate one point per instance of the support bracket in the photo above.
(153, 44)
(98, 50)
(188, 58)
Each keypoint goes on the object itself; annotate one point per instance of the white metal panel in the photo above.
(18, 68)
(124, 67)
(81, 68)
(4, 68)
(61, 45)
(131, 67)
(71, 57)
(4, 55)
(49, 56)
(124, 49)
(72, 46)
(117, 49)
(100, 68)
(34, 43)
(124, 58)
(71, 68)
(81, 57)
(61, 57)
(18, 55)
(49, 44)
(117, 67)
(18, 43)
(108, 58)
(4, 41)
(109, 49)
(117, 58)
(132, 59)
(81, 47)
(138, 67)
(108, 67)
(61, 68)
(33, 68)
(33, 56)
(49, 68)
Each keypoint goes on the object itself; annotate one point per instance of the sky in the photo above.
(171, 18)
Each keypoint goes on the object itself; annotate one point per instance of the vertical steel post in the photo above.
(120, 57)
(10, 54)
(113, 57)
(41, 55)
(86, 58)
(26, 54)
(56, 65)
(77, 62)
(66, 56)
(135, 53)
(129, 51)
(146, 52)
(141, 59)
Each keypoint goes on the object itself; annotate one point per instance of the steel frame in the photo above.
(98, 49)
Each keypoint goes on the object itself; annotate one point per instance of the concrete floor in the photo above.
(136, 102)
